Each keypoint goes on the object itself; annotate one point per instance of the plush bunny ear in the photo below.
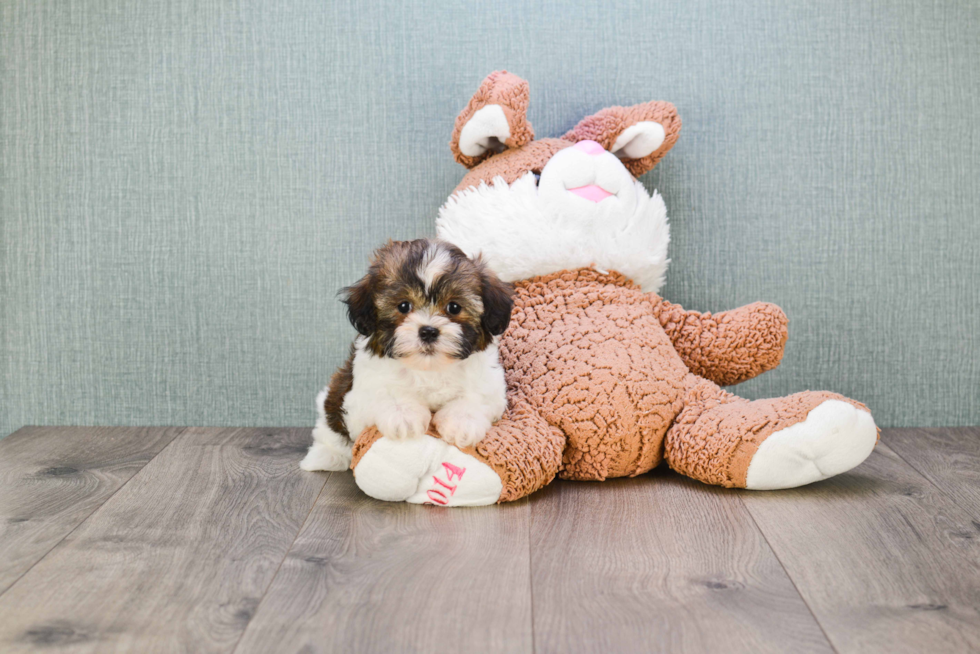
(495, 119)
(639, 135)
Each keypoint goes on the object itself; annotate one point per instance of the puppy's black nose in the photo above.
(428, 334)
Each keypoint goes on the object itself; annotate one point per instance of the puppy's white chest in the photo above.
(432, 389)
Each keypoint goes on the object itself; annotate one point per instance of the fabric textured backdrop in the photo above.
(185, 185)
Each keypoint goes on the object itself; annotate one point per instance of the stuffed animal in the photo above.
(605, 378)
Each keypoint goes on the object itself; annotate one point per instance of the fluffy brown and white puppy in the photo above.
(428, 318)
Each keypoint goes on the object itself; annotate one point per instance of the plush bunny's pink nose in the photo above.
(590, 147)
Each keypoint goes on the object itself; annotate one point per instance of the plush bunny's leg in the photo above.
(784, 442)
(422, 470)
(520, 454)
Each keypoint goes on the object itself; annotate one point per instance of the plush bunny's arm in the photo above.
(728, 347)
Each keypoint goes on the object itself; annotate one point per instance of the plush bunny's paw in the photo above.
(425, 470)
(461, 425)
(834, 437)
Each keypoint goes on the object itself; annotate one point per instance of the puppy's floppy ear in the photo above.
(361, 311)
(498, 302)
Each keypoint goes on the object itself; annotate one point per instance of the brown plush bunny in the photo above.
(605, 378)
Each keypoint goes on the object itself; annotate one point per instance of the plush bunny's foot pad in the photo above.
(425, 470)
(835, 437)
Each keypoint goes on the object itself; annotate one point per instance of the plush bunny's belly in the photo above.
(586, 350)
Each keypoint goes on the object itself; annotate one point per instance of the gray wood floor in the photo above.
(213, 540)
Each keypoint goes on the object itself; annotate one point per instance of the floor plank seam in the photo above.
(181, 431)
(788, 575)
(530, 571)
(925, 475)
(285, 556)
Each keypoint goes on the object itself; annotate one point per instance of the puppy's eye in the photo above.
(453, 309)
(405, 307)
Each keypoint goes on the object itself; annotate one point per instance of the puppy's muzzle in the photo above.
(428, 334)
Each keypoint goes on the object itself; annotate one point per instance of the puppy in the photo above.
(428, 319)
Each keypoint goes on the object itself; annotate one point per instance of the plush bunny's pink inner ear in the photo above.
(494, 119)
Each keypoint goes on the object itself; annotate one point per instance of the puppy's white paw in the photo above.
(461, 425)
(330, 450)
(326, 456)
(405, 421)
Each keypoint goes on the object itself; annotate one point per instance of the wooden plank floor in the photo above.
(52, 478)
(142, 540)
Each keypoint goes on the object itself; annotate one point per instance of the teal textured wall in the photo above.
(186, 184)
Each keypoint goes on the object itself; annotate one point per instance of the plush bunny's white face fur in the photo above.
(586, 210)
